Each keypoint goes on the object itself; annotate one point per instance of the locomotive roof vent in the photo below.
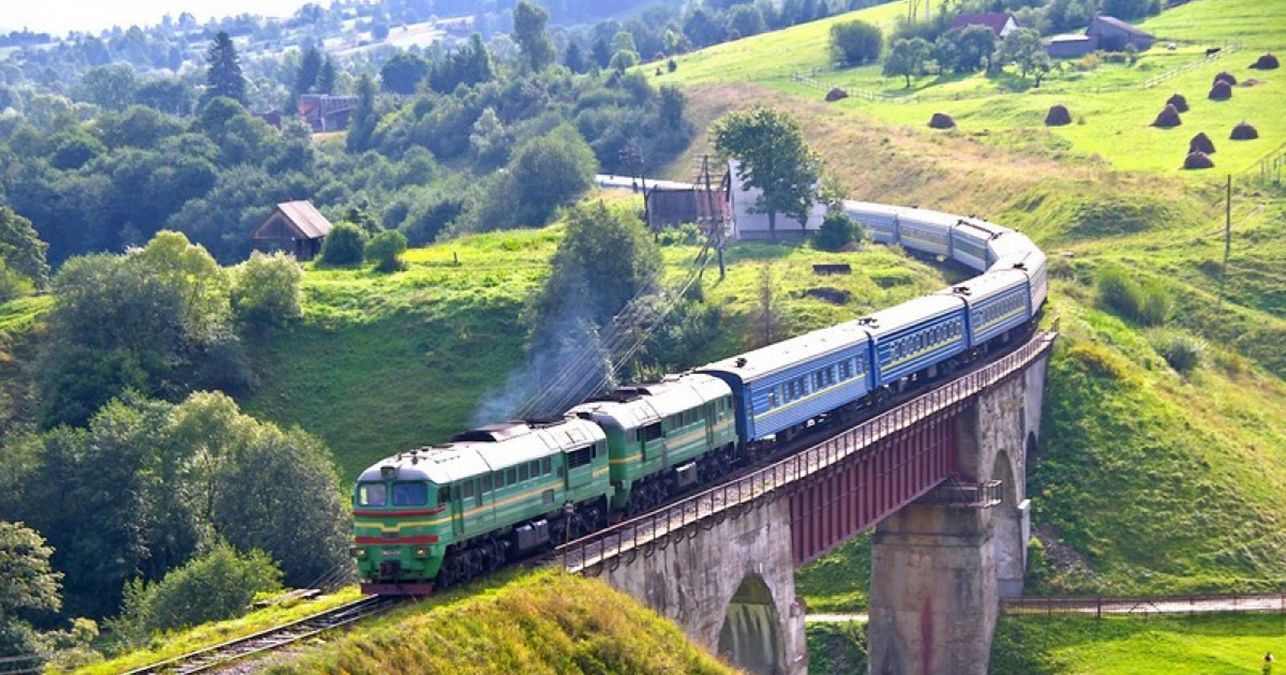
(741, 362)
(388, 472)
(961, 290)
(868, 321)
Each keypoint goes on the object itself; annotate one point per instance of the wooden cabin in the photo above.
(297, 228)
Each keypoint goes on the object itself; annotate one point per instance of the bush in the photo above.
(1182, 350)
(344, 245)
(838, 230)
(266, 290)
(387, 248)
(683, 234)
(220, 584)
(855, 42)
(13, 284)
(1146, 303)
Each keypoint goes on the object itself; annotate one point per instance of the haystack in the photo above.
(1222, 91)
(1244, 132)
(1167, 118)
(1198, 160)
(1265, 62)
(1179, 102)
(1225, 76)
(1201, 143)
(941, 121)
(835, 94)
(1058, 116)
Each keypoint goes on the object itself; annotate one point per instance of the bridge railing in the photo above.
(608, 546)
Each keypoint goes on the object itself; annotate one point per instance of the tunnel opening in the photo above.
(750, 638)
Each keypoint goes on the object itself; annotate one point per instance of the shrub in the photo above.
(387, 248)
(1145, 303)
(1182, 350)
(266, 290)
(685, 234)
(13, 284)
(855, 42)
(220, 584)
(838, 230)
(344, 245)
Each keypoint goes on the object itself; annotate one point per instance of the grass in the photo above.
(1147, 480)
(1111, 107)
(836, 648)
(177, 643)
(545, 622)
(1218, 643)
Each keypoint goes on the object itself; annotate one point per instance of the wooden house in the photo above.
(297, 228)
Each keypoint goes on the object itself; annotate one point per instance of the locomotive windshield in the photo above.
(372, 494)
(410, 494)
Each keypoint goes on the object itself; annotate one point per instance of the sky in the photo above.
(60, 16)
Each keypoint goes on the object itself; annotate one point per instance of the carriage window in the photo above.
(772, 398)
(535, 468)
(410, 494)
(511, 476)
(523, 472)
(466, 490)
(444, 494)
(371, 494)
(578, 458)
(545, 467)
(486, 483)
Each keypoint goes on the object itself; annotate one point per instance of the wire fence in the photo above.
(1167, 605)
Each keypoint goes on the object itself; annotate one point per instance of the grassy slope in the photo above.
(1180, 485)
(541, 623)
(1115, 123)
(1227, 643)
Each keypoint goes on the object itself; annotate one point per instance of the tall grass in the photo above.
(1146, 302)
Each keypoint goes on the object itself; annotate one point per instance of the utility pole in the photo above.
(1227, 238)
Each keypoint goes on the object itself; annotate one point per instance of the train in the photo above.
(431, 517)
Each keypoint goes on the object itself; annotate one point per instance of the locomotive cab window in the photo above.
(444, 495)
(651, 432)
(372, 494)
(578, 458)
(410, 494)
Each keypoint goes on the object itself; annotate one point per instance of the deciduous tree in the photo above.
(774, 157)
(531, 35)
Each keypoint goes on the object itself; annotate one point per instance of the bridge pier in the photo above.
(730, 586)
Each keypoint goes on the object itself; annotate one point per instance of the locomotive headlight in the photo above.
(422, 552)
(357, 552)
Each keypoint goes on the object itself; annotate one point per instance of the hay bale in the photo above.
(1222, 91)
(1167, 118)
(1198, 160)
(941, 121)
(1178, 101)
(1058, 116)
(1244, 132)
(1225, 76)
(1201, 143)
(1265, 62)
(835, 94)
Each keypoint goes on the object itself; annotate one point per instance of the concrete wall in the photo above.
(693, 581)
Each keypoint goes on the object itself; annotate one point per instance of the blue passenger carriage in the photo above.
(915, 336)
(998, 302)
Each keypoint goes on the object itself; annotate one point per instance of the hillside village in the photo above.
(247, 264)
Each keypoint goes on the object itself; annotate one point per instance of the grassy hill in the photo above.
(1147, 480)
(1118, 645)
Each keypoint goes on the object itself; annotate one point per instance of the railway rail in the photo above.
(272, 639)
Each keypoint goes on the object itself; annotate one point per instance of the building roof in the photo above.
(1068, 38)
(994, 20)
(1118, 24)
(306, 218)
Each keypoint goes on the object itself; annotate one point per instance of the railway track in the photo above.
(272, 639)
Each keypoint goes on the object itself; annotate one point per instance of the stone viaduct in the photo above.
(941, 478)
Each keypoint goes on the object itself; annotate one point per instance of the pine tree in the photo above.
(326, 77)
(223, 78)
(309, 68)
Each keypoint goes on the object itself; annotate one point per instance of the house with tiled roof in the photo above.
(297, 228)
(1000, 23)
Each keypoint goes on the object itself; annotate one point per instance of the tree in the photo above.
(403, 73)
(223, 76)
(855, 42)
(112, 87)
(168, 95)
(768, 315)
(531, 35)
(747, 20)
(838, 230)
(1022, 48)
(219, 584)
(489, 139)
(906, 58)
(548, 172)
(387, 248)
(361, 129)
(21, 248)
(266, 290)
(574, 58)
(310, 65)
(345, 245)
(326, 77)
(28, 583)
(702, 29)
(774, 157)
(976, 45)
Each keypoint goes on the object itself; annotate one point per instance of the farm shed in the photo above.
(324, 112)
(748, 224)
(1069, 46)
(1113, 34)
(1000, 23)
(669, 205)
(297, 228)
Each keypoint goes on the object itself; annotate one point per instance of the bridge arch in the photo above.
(751, 635)
(1003, 470)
